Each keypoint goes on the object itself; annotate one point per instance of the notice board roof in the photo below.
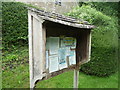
(58, 18)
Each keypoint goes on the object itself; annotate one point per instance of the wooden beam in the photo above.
(30, 27)
(76, 79)
(36, 48)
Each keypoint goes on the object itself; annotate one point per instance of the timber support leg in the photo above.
(76, 79)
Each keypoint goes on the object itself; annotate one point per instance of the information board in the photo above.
(60, 53)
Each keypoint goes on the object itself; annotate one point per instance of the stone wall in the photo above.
(57, 6)
(62, 7)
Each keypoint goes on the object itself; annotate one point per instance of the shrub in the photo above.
(104, 41)
(14, 24)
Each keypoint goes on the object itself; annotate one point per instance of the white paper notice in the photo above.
(53, 63)
(68, 51)
(57, 51)
(47, 59)
(53, 45)
(72, 58)
(62, 58)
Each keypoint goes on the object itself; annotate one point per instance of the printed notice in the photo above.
(62, 58)
(60, 53)
(53, 63)
(53, 45)
(72, 57)
(69, 42)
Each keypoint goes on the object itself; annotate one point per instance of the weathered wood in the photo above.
(38, 31)
(76, 79)
(50, 75)
(36, 43)
(37, 47)
(89, 46)
(44, 47)
(67, 59)
(83, 48)
(54, 17)
(30, 21)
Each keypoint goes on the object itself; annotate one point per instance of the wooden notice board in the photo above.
(56, 46)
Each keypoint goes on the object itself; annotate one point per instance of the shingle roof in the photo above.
(58, 18)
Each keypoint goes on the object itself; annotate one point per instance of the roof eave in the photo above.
(45, 17)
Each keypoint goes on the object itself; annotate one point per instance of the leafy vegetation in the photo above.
(15, 68)
(104, 40)
(18, 76)
(107, 8)
(14, 24)
(15, 73)
(14, 58)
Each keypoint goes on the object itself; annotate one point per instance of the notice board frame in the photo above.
(37, 42)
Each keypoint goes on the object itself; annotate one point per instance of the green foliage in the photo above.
(104, 41)
(16, 75)
(11, 59)
(108, 8)
(104, 37)
(14, 24)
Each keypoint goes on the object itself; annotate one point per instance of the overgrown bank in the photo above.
(104, 37)
(14, 25)
(104, 56)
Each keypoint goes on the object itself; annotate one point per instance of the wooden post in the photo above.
(37, 40)
(30, 21)
(76, 79)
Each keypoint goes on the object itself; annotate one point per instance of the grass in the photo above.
(85, 81)
(18, 76)
(15, 68)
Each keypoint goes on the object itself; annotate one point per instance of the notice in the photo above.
(53, 45)
(67, 42)
(60, 52)
(53, 63)
(72, 57)
(62, 58)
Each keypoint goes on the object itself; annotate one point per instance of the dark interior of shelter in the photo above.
(82, 35)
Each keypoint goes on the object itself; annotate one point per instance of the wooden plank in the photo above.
(36, 48)
(30, 21)
(76, 79)
(83, 48)
(89, 46)
(50, 75)
(44, 48)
